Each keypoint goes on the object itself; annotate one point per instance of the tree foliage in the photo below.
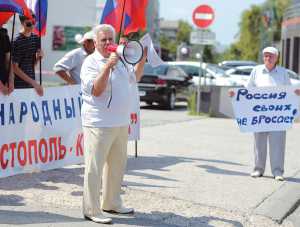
(183, 35)
(247, 46)
(260, 25)
(184, 31)
(278, 7)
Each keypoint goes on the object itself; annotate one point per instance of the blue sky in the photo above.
(227, 14)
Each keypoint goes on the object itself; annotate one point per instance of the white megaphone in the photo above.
(131, 52)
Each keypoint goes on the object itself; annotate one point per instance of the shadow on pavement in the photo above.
(35, 180)
(216, 170)
(11, 200)
(161, 163)
(74, 175)
(32, 217)
(286, 179)
(292, 179)
(169, 219)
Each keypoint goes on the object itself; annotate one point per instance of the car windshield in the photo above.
(215, 69)
(293, 75)
(160, 70)
(239, 72)
(190, 70)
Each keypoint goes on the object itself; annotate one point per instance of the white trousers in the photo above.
(105, 156)
(276, 150)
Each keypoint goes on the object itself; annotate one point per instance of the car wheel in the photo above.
(171, 101)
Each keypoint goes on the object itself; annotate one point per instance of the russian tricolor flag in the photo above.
(39, 8)
(14, 6)
(9, 7)
(134, 17)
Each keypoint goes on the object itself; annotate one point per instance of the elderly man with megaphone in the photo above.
(106, 80)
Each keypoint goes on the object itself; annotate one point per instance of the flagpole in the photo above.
(120, 31)
(11, 45)
(40, 40)
(122, 18)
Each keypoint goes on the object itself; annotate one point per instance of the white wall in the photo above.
(65, 13)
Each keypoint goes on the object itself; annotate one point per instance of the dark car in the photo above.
(164, 85)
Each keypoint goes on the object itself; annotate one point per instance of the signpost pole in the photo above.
(199, 83)
(203, 16)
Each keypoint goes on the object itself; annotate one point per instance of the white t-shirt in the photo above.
(262, 77)
(72, 63)
(96, 111)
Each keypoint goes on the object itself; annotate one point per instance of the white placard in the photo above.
(265, 109)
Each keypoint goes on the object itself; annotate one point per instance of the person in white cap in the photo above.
(266, 75)
(69, 67)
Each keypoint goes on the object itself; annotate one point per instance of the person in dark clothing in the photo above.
(6, 74)
(26, 53)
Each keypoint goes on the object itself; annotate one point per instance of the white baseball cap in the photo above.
(271, 50)
(86, 36)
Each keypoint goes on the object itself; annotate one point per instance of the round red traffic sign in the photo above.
(203, 16)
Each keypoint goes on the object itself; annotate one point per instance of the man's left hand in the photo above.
(39, 54)
(11, 86)
(297, 91)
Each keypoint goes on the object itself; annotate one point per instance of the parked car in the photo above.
(294, 77)
(164, 85)
(210, 74)
(232, 64)
(241, 74)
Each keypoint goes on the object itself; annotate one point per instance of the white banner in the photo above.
(41, 133)
(265, 108)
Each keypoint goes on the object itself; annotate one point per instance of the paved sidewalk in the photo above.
(190, 173)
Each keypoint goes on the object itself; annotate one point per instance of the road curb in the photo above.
(281, 203)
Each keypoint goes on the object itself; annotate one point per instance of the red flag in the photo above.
(4, 17)
(134, 15)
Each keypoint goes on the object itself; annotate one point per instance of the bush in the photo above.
(192, 103)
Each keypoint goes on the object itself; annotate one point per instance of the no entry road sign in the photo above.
(203, 16)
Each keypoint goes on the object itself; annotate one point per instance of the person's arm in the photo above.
(19, 72)
(3, 88)
(101, 80)
(38, 56)
(139, 67)
(66, 77)
(11, 74)
(67, 63)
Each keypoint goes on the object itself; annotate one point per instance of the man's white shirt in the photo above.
(262, 77)
(72, 63)
(96, 111)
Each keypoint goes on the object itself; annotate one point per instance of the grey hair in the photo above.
(104, 28)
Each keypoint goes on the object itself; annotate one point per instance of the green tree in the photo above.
(247, 47)
(184, 31)
(260, 26)
(277, 7)
(183, 35)
(209, 54)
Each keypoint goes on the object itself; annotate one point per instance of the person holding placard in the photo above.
(267, 75)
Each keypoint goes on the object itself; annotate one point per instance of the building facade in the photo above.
(291, 37)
